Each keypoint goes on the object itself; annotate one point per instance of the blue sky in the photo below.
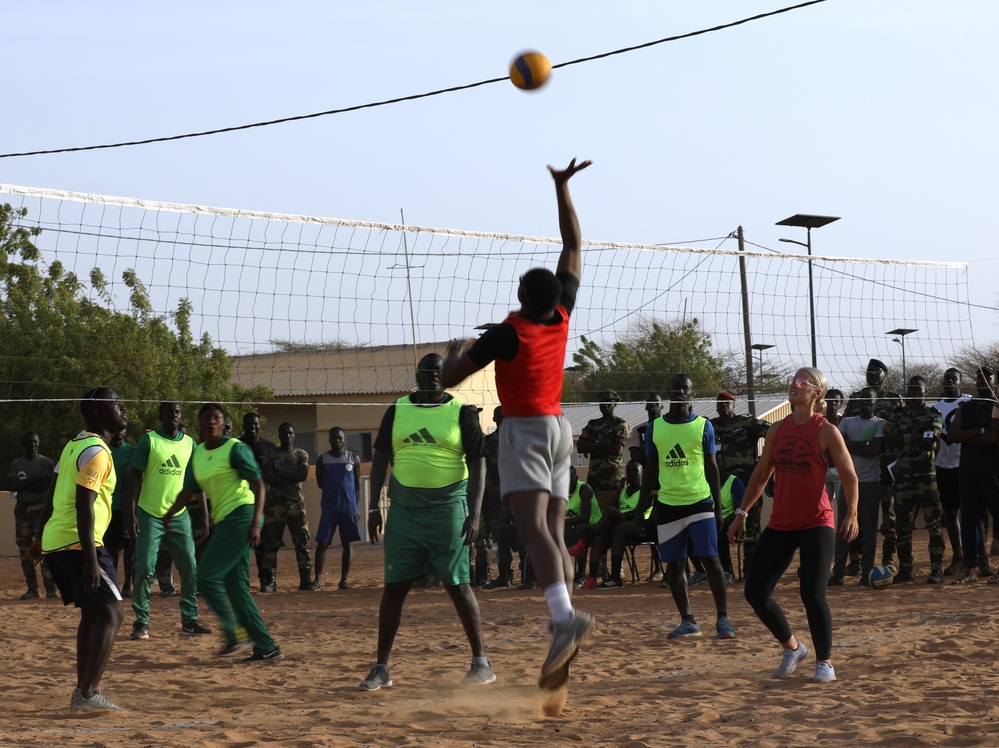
(882, 113)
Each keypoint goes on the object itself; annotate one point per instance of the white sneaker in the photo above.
(789, 661)
(824, 672)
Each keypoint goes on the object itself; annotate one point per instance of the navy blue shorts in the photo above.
(328, 523)
(678, 524)
(67, 573)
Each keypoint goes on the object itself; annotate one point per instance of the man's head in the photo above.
(952, 383)
(834, 402)
(31, 443)
(102, 411)
(653, 405)
(428, 374)
(338, 440)
(681, 389)
(498, 415)
(211, 421)
(725, 405)
(227, 429)
(876, 373)
(985, 382)
(608, 401)
(251, 427)
(866, 399)
(915, 390)
(286, 435)
(170, 416)
(539, 292)
(633, 472)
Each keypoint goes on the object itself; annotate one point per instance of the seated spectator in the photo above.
(582, 513)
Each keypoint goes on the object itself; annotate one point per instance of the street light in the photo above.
(902, 332)
(762, 347)
(808, 222)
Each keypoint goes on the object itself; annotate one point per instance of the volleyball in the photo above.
(881, 577)
(529, 70)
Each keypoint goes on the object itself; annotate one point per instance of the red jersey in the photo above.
(530, 384)
(800, 498)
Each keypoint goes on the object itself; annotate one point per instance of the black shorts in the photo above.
(67, 573)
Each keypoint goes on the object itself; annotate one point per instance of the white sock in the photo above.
(559, 603)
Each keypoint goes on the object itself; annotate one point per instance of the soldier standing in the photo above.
(27, 480)
(911, 434)
(737, 438)
(603, 440)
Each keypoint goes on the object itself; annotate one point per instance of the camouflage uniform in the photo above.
(606, 471)
(492, 510)
(738, 442)
(885, 407)
(27, 518)
(915, 480)
(285, 505)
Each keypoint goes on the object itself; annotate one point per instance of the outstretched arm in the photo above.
(570, 261)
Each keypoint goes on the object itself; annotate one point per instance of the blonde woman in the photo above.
(798, 451)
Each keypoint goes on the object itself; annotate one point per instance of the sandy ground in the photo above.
(916, 666)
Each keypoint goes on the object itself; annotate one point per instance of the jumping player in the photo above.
(536, 441)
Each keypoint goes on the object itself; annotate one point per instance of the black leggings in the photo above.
(773, 556)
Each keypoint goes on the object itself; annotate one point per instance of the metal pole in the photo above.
(905, 381)
(811, 301)
(750, 383)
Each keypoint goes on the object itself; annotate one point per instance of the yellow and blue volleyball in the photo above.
(881, 577)
(529, 70)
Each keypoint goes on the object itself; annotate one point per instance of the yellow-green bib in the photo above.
(575, 505)
(61, 530)
(163, 477)
(726, 497)
(681, 461)
(219, 479)
(627, 503)
(426, 444)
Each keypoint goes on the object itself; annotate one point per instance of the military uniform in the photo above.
(908, 433)
(285, 505)
(885, 407)
(28, 517)
(606, 471)
(739, 445)
(492, 510)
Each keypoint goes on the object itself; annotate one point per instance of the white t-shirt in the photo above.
(949, 455)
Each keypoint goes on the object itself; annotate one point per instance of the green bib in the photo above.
(726, 498)
(575, 505)
(681, 461)
(163, 478)
(627, 503)
(61, 530)
(220, 480)
(426, 444)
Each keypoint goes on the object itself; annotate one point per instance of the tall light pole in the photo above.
(902, 332)
(808, 222)
(762, 347)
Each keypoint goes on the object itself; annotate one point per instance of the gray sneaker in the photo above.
(479, 675)
(789, 661)
(96, 703)
(379, 677)
(566, 638)
(696, 578)
(684, 630)
(724, 628)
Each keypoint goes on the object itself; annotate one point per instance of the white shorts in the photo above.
(534, 455)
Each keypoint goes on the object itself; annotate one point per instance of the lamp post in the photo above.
(808, 222)
(902, 332)
(762, 347)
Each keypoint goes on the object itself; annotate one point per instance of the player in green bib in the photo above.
(74, 519)
(226, 470)
(157, 476)
(434, 444)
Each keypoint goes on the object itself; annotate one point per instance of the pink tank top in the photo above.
(800, 499)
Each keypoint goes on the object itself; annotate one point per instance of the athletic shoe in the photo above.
(724, 628)
(729, 578)
(834, 581)
(578, 548)
(30, 595)
(696, 578)
(655, 576)
(852, 569)
(824, 672)
(479, 675)
(230, 650)
(193, 628)
(96, 703)
(956, 567)
(684, 630)
(579, 582)
(379, 677)
(984, 569)
(789, 661)
(126, 592)
(139, 631)
(258, 656)
(865, 580)
(499, 583)
(168, 592)
(610, 583)
(345, 585)
(935, 578)
(266, 587)
(904, 576)
(590, 583)
(530, 584)
(566, 638)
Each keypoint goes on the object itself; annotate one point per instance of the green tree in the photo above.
(60, 338)
(645, 358)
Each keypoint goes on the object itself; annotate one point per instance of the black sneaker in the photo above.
(30, 595)
(499, 582)
(230, 650)
(259, 656)
(344, 585)
(853, 569)
(139, 631)
(168, 592)
(193, 628)
(834, 580)
(610, 583)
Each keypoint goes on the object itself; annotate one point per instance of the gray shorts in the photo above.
(534, 455)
